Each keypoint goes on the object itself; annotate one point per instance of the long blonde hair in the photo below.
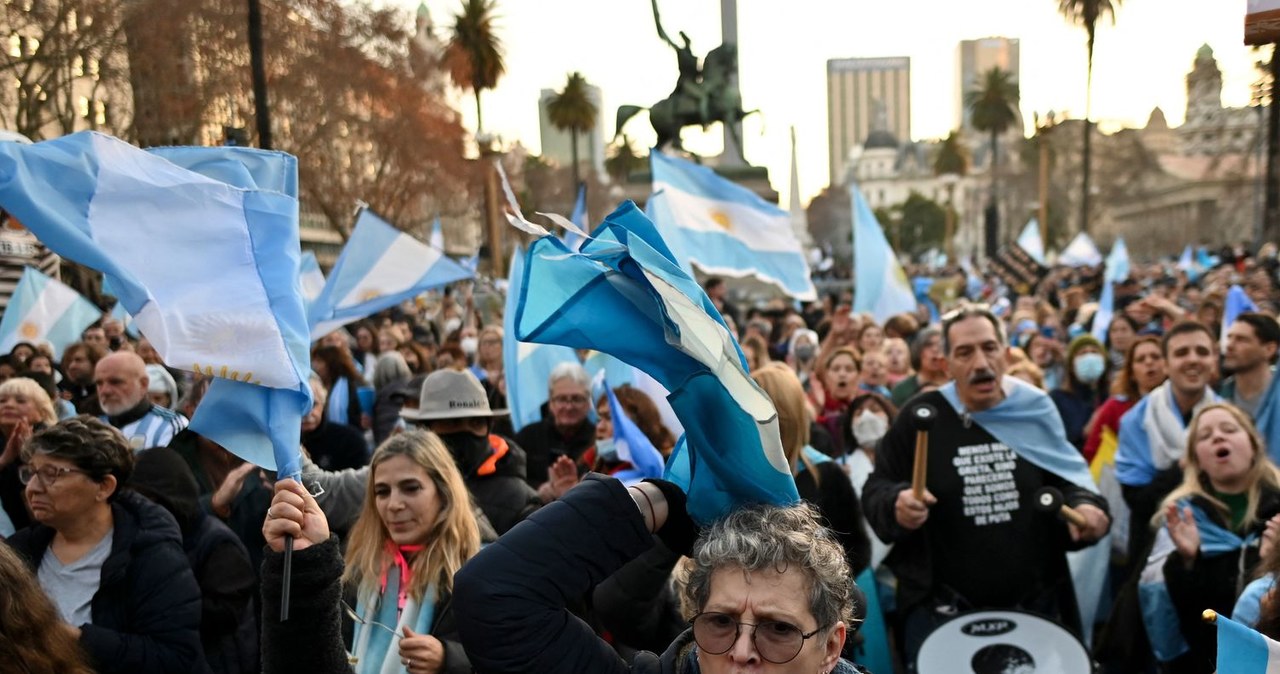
(784, 388)
(1195, 484)
(454, 537)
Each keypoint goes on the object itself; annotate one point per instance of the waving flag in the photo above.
(208, 269)
(380, 267)
(1245, 651)
(725, 229)
(1081, 252)
(1031, 241)
(526, 366)
(1117, 270)
(310, 277)
(1237, 303)
(43, 309)
(659, 320)
(573, 240)
(632, 445)
(881, 287)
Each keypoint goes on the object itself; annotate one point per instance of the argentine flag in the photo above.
(632, 445)
(574, 240)
(207, 268)
(1031, 241)
(725, 229)
(1081, 252)
(1242, 650)
(880, 287)
(526, 366)
(1117, 270)
(310, 277)
(44, 309)
(625, 295)
(379, 267)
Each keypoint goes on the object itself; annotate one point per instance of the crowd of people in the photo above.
(431, 535)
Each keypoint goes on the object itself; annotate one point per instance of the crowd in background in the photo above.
(141, 549)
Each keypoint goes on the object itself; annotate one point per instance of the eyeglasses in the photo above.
(48, 474)
(569, 400)
(355, 617)
(776, 641)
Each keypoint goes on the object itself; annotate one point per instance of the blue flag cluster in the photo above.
(201, 247)
(660, 321)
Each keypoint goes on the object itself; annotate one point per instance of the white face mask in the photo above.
(868, 428)
(469, 345)
(606, 450)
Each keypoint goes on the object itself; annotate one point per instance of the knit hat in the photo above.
(160, 381)
(1081, 342)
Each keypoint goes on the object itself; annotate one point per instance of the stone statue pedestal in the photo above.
(639, 185)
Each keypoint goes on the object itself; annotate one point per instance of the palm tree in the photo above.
(623, 160)
(994, 108)
(1085, 13)
(474, 53)
(951, 163)
(572, 110)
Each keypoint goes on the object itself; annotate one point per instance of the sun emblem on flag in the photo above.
(370, 294)
(29, 330)
(721, 218)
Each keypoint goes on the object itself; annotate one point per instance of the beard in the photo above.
(119, 408)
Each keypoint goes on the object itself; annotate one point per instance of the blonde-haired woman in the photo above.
(415, 530)
(819, 480)
(25, 407)
(1213, 529)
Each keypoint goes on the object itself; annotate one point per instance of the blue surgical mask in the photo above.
(606, 450)
(1089, 367)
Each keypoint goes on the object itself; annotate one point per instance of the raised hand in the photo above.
(1184, 532)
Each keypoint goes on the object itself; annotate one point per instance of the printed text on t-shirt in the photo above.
(990, 493)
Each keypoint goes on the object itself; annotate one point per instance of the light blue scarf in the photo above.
(1158, 613)
(1028, 423)
(339, 401)
(376, 651)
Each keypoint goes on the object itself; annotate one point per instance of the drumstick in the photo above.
(924, 415)
(1049, 499)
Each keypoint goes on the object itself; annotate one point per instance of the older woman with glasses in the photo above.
(768, 588)
(111, 561)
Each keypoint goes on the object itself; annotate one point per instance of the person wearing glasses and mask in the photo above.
(565, 432)
(111, 561)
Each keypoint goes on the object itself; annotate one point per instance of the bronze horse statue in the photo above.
(701, 96)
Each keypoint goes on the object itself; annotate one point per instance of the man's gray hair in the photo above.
(571, 371)
(761, 537)
(965, 312)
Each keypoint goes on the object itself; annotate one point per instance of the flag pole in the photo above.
(286, 578)
(1209, 616)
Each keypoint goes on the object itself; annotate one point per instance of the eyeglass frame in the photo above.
(737, 634)
(26, 473)
(570, 400)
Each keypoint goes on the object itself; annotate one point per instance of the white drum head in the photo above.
(1002, 642)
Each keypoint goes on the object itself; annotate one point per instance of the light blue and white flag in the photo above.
(1117, 270)
(660, 321)
(379, 267)
(526, 366)
(1237, 303)
(1242, 650)
(209, 270)
(1031, 241)
(574, 240)
(881, 288)
(631, 445)
(1187, 263)
(118, 312)
(44, 309)
(725, 229)
(310, 277)
(437, 235)
(1081, 252)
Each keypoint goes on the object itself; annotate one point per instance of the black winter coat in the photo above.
(146, 613)
(311, 640)
(510, 598)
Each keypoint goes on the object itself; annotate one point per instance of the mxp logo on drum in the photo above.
(989, 628)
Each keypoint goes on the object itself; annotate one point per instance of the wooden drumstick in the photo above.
(924, 415)
(1050, 500)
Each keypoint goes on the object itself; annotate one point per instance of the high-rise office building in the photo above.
(854, 87)
(976, 58)
(557, 145)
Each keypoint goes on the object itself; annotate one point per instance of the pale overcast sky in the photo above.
(1139, 63)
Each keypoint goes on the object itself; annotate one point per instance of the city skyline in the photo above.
(1140, 63)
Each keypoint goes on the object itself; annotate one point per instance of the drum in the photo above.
(1002, 642)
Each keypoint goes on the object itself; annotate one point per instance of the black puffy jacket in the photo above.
(146, 613)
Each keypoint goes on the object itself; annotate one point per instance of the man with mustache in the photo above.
(975, 539)
(1153, 435)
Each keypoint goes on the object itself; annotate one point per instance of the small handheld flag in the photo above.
(43, 309)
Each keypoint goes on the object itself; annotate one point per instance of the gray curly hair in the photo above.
(771, 537)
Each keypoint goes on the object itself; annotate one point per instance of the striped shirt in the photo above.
(155, 429)
(19, 248)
